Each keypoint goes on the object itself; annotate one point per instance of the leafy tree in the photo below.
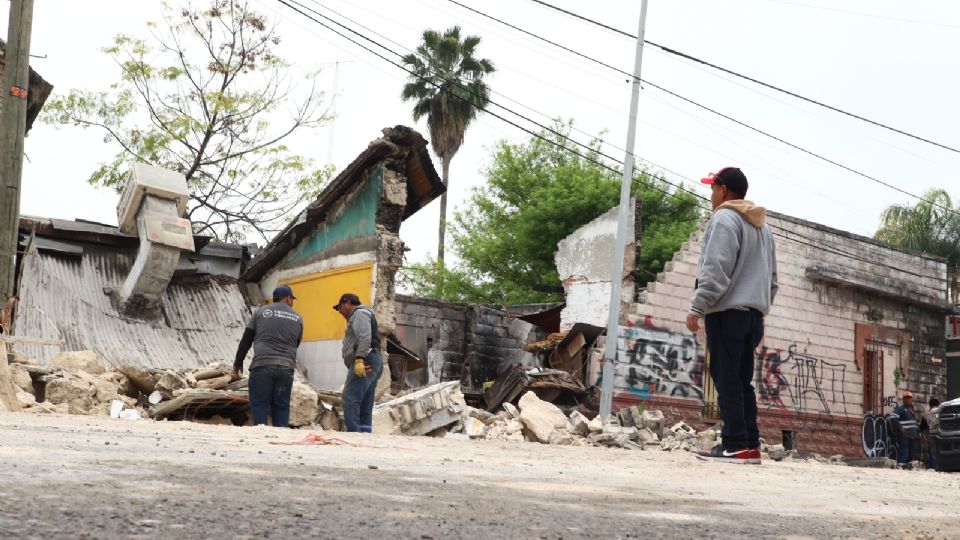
(199, 96)
(447, 86)
(537, 194)
(932, 226)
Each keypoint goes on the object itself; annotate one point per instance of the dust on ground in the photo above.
(94, 477)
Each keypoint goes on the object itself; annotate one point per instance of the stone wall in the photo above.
(460, 342)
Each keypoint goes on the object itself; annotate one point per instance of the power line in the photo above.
(819, 246)
(741, 75)
(706, 108)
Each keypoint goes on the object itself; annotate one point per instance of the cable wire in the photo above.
(711, 110)
(606, 166)
(682, 54)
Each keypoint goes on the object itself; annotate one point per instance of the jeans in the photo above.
(905, 450)
(269, 389)
(359, 394)
(732, 337)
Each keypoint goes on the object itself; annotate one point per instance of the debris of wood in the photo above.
(550, 342)
(550, 385)
(202, 404)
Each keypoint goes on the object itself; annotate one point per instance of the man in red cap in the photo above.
(736, 284)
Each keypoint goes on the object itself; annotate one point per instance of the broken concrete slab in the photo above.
(25, 399)
(776, 452)
(511, 409)
(647, 436)
(143, 380)
(420, 412)
(8, 393)
(541, 417)
(78, 361)
(78, 394)
(579, 424)
(652, 419)
(595, 425)
(169, 382)
(303, 405)
(474, 428)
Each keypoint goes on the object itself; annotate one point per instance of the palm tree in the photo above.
(931, 226)
(446, 83)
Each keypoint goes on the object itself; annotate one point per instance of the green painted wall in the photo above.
(358, 220)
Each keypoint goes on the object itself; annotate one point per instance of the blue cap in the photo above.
(283, 291)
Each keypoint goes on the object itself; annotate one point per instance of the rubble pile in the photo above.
(76, 382)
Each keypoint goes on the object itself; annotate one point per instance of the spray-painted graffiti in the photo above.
(877, 436)
(889, 401)
(810, 383)
(659, 362)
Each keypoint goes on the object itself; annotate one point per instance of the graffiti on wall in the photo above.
(810, 384)
(654, 361)
(877, 436)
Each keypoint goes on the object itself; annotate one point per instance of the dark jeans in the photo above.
(906, 451)
(269, 389)
(359, 394)
(732, 337)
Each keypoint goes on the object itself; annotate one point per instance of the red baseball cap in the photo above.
(732, 177)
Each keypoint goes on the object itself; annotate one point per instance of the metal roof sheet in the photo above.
(65, 297)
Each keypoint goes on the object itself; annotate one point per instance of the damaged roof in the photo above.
(423, 186)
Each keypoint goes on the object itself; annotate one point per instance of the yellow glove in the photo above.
(358, 368)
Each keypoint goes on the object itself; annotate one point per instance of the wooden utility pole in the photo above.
(13, 125)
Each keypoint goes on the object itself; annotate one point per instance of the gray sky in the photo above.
(876, 58)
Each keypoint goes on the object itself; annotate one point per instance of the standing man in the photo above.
(908, 430)
(361, 355)
(736, 284)
(275, 331)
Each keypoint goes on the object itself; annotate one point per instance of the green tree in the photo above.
(201, 96)
(447, 86)
(931, 226)
(536, 194)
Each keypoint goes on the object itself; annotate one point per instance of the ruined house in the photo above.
(855, 324)
(348, 240)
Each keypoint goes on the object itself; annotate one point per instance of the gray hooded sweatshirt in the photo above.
(738, 263)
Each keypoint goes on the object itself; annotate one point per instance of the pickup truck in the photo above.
(945, 435)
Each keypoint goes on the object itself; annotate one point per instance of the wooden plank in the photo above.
(8, 394)
(32, 341)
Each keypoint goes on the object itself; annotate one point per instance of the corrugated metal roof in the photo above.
(64, 297)
(423, 186)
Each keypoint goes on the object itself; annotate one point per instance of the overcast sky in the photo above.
(891, 61)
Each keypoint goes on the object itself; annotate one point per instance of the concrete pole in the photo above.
(13, 122)
(616, 273)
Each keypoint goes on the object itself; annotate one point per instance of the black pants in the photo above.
(732, 338)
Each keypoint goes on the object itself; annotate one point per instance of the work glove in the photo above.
(358, 368)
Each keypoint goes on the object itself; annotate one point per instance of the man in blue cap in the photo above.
(275, 331)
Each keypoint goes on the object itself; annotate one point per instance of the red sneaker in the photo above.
(750, 456)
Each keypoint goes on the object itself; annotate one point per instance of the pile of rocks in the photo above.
(535, 420)
(77, 382)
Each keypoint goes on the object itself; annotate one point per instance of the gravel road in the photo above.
(87, 477)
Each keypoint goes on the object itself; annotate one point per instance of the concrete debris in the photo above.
(776, 452)
(474, 428)
(25, 398)
(421, 412)
(78, 361)
(541, 418)
(17, 357)
(142, 380)
(303, 404)
(652, 420)
(595, 425)
(512, 410)
(169, 382)
(78, 394)
(22, 379)
(579, 424)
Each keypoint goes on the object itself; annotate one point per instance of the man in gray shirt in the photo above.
(275, 331)
(736, 284)
(361, 355)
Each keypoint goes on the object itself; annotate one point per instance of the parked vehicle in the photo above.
(945, 435)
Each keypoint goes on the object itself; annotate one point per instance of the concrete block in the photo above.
(78, 361)
(398, 416)
(652, 419)
(511, 410)
(474, 428)
(540, 417)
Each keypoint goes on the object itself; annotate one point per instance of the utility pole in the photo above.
(13, 122)
(616, 268)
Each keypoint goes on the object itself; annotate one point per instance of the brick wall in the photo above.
(810, 372)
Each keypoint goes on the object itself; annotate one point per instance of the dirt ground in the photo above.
(88, 477)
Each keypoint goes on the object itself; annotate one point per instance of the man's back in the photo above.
(278, 331)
